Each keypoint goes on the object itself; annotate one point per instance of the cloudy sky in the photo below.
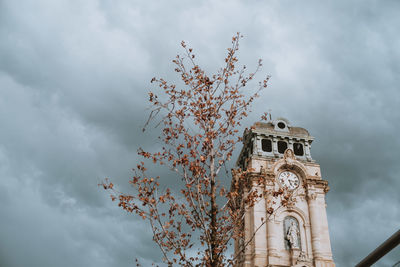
(74, 77)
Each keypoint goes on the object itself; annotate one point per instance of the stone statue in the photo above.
(292, 235)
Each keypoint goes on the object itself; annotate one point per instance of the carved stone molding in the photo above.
(270, 182)
(312, 196)
(326, 189)
(269, 175)
(303, 258)
(318, 184)
(289, 154)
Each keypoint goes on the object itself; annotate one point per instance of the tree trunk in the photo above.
(214, 210)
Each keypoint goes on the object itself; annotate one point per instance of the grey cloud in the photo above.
(73, 83)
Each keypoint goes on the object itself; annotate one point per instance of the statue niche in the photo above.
(291, 233)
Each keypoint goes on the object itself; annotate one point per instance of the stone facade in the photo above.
(295, 234)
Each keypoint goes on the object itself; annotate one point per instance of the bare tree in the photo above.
(199, 122)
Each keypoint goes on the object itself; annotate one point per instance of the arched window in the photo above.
(298, 149)
(266, 145)
(291, 233)
(282, 146)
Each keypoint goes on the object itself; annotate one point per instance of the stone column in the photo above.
(260, 239)
(247, 235)
(290, 144)
(273, 230)
(307, 228)
(257, 146)
(307, 150)
(319, 228)
(275, 147)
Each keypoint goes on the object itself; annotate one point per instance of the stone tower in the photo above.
(295, 234)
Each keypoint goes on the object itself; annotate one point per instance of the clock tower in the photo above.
(281, 230)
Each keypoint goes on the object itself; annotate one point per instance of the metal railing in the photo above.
(396, 264)
(381, 251)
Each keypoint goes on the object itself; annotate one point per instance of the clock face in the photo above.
(289, 179)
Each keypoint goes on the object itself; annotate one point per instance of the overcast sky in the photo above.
(74, 77)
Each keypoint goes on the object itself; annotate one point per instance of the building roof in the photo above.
(269, 127)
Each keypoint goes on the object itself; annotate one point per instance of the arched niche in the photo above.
(291, 233)
(297, 213)
(303, 226)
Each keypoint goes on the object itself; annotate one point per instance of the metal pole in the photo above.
(381, 251)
